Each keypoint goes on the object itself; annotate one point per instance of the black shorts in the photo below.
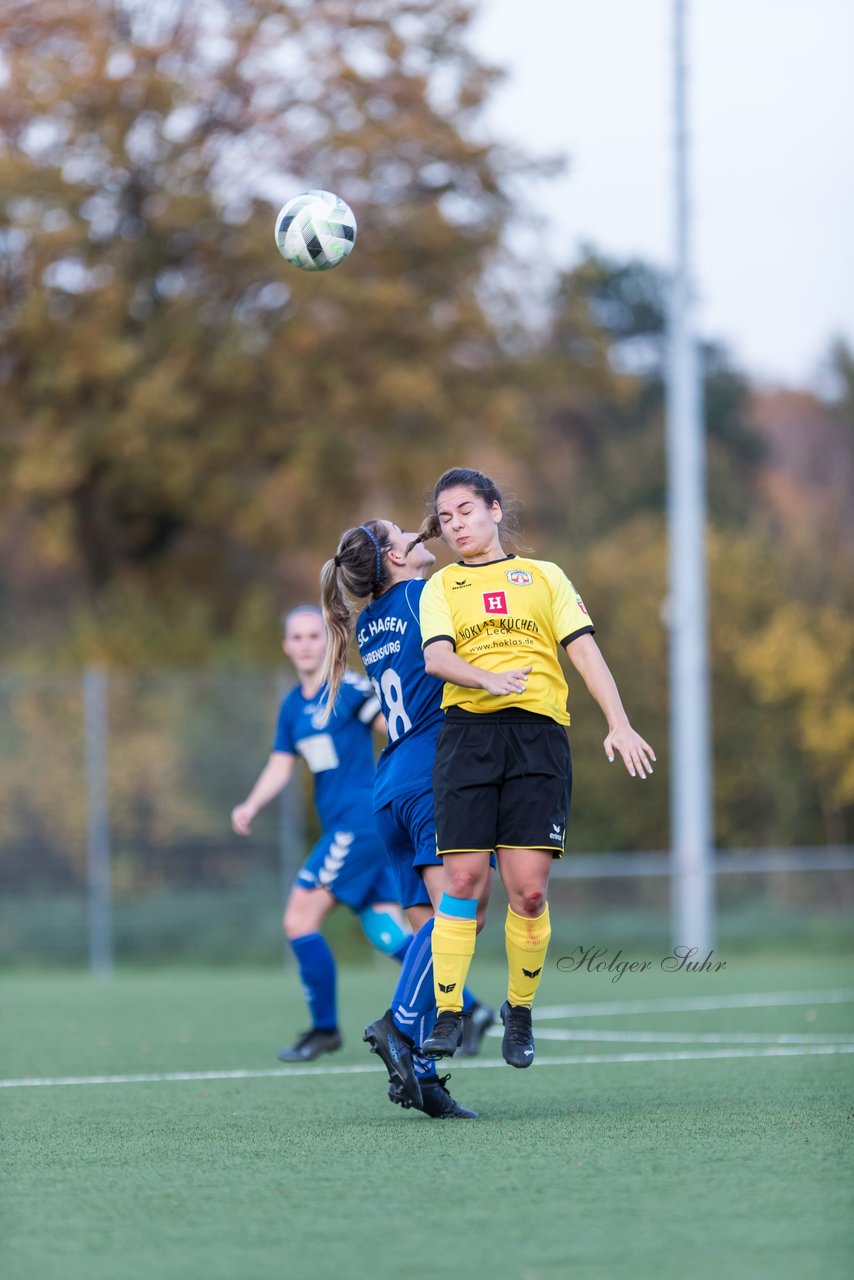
(501, 779)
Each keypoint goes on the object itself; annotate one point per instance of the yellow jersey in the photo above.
(509, 613)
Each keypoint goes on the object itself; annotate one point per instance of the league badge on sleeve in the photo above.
(582, 606)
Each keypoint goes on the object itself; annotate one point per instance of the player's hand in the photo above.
(241, 819)
(504, 682)
(638, 756)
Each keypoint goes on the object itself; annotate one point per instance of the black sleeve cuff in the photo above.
(433, 639)
(582, 631)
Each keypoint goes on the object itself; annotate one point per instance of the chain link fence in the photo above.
(116, 845)
(115, 841)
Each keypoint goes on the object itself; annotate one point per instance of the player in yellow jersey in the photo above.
(491, 625)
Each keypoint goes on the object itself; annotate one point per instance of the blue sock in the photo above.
(413, 996)
(317, 972)
(469, 1000)
(425, 1068)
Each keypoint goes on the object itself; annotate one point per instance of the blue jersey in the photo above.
(388, 634)
(340, 754)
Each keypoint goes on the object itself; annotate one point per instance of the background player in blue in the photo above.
(348, 864)
(373, 561)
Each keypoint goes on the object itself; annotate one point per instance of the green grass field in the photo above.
(627, 1163)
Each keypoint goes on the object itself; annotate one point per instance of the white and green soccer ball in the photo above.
(315, 231)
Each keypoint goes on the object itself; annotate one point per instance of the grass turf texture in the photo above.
(622, 1169)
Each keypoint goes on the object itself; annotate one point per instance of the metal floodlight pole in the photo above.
(99, 891)
(690, 756)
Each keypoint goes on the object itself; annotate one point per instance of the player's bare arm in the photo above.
(274, 777)
(441, 661)
(586, 656)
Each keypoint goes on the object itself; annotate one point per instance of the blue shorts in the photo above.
(408, 832)
(353, 866)
(408, 829)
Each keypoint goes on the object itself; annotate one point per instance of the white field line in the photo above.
(782, 1046)
(282, 1073)
(676, 1037)
(692, 1004)
(165, 1077)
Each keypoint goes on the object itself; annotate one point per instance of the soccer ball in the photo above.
(315, 231)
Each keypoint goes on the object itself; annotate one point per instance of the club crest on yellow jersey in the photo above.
(519, 577)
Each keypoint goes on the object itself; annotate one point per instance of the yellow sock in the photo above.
(453, 948)
(527, 943)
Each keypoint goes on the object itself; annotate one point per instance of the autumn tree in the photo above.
(598, 389)
(188, 421)
(780, 480)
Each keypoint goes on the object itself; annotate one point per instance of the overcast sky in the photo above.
(772, 121)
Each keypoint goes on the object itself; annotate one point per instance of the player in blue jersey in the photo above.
(372, 561)
(348, 864)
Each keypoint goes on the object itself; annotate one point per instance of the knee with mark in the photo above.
(463, 884)
(533, 903)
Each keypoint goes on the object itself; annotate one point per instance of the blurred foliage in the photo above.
(598, 385)
(177, 743)
(181, 406)
(188, 423)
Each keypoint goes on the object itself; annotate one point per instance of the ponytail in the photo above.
(338, 616)
(357, 570)
(430, 528)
